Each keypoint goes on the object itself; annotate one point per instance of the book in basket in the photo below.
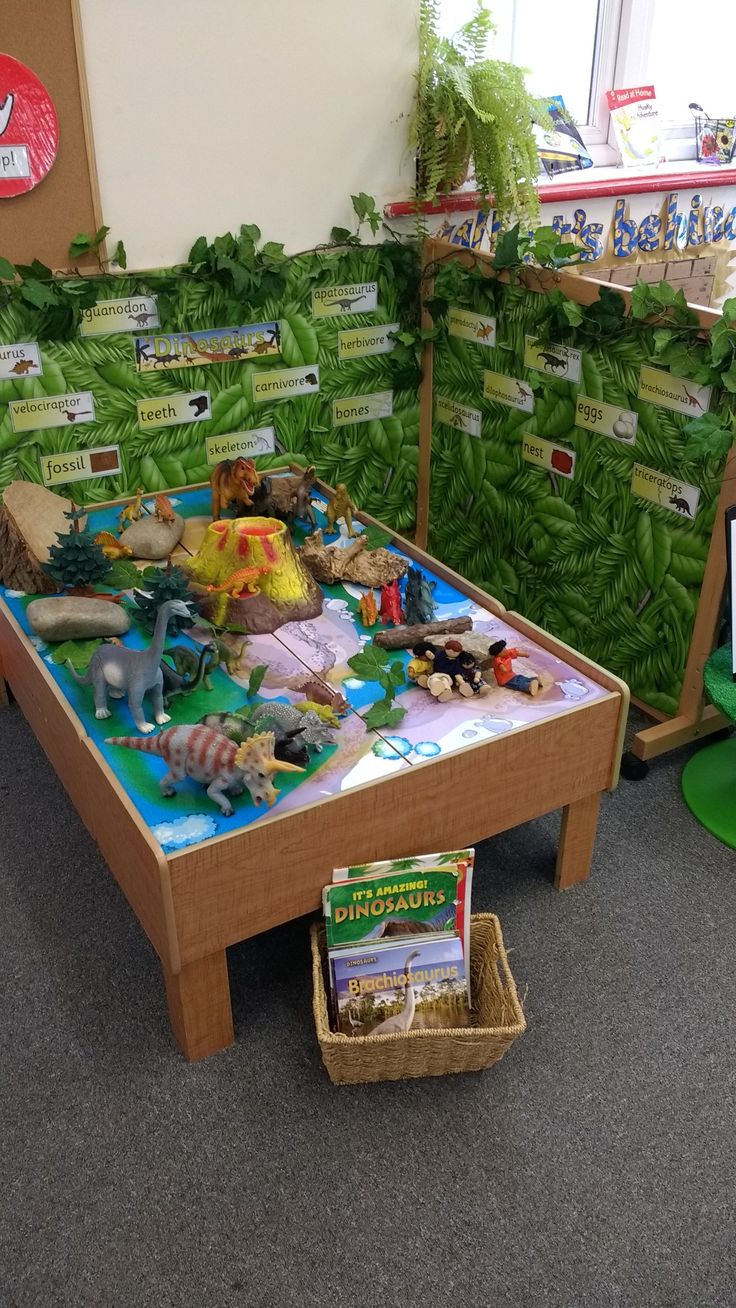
(390, 988)
(391, 906)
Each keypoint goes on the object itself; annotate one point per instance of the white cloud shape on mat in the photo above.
(184, 831)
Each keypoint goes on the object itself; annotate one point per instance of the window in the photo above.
(582, 51)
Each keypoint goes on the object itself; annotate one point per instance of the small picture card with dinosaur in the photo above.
(261, 340)
(20, 360)
(80, 465)
(170, 410)
(676, 393)
(468, 326)
(508, 390)
(240, 445)
(51, 411)
(456, 415)
(553, 360)
(659, 488)
(606, 419)
(331, 301)
(108, 317)
(285, 383)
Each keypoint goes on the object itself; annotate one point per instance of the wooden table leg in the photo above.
(577, 838)
(198, 999)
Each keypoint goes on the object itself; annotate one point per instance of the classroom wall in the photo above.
(207, 115)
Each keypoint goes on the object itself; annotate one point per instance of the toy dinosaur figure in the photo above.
(131, 512)
(230, 657)
(287, 497)
(322, 711)
(189, 671)
(288, 747)
(419, 606)
(340, 505)
(289, 717)
(240, 580)
(232, 481)
(320, 693)
(111, 547)
(391, 604)
(216, 762)
(367, 611)
(163, 510)
(132, 672)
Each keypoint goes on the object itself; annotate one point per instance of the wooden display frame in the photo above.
(194, 903)
(694, 718)
(40, 223)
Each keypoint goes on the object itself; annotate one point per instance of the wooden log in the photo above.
(30, 519)
(407, 637)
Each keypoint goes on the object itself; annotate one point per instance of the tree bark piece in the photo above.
(30, 518)
(407, 637)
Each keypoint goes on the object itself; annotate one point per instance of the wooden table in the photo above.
(193, 903)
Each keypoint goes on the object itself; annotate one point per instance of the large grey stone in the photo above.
(72, 617)
(150, 539)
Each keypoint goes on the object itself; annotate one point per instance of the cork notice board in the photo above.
(44, 35)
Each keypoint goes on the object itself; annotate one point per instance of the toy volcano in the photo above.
(248, 577)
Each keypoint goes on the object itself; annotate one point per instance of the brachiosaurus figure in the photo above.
(132, 672)
(401, 1021)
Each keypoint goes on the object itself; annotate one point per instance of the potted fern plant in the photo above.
(471, 108)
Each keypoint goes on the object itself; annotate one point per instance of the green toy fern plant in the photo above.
(468, 108)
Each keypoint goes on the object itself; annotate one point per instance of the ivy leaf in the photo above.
(728, 378)
(37, 294)
(607, 311)
(99, 236)
(123, 575)
(507, 249)
(255, 679)
(436, 307)
(81, 244)
(7, 271)
(77, 652)
(369, 663)
(199, 251)
(640, 300)
(119, 255)
(396, 673)
(341, 236)
(573, 312)
(365, 211)
(381, 714)
(707, 437)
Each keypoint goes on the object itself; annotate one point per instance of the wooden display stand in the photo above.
(694, 719)
(194, 903)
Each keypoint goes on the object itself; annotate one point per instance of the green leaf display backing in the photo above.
(377, 460)
(607, 572)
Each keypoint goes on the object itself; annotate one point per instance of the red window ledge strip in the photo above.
(579, 190)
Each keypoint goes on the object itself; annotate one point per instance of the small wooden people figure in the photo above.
(367, 611)
(391, 604)
(472, 682)
(340, 505)
(501, 662)
(421, 663)
(425, 659)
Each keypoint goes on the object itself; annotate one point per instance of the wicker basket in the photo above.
(497, 1016)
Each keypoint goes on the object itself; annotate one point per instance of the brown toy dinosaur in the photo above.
(163, 510)
(237, 582)
(340, 505)
(232, 481)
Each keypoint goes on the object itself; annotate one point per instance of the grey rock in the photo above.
(150, 539)
(72, 617)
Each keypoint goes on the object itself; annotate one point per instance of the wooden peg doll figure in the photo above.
(502, 663)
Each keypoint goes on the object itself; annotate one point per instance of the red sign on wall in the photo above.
(29, 131)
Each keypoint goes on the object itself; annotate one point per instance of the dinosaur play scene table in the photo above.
(447, 775)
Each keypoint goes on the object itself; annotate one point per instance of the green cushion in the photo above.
(719, 684)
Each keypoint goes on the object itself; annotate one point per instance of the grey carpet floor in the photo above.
(592, 1168)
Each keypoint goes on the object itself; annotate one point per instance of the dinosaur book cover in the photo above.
(459, 861)
(393, 904)
(391, 988)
